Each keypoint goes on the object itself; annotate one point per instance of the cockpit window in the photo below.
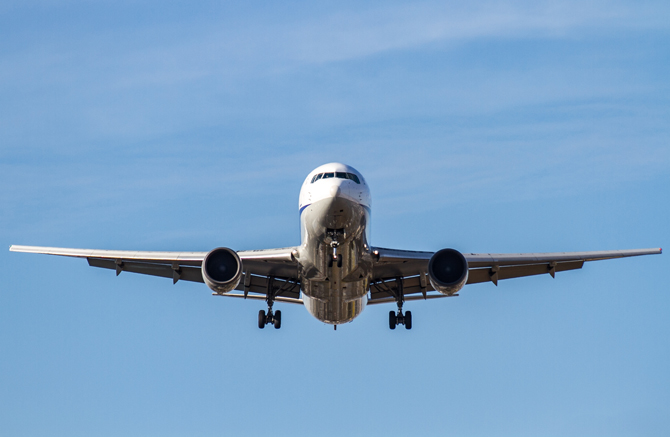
(339, 174)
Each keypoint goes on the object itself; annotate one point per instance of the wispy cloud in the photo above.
(460, 94)
(158, 53)
(345, 35)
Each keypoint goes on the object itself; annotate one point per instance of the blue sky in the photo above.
(488, 127)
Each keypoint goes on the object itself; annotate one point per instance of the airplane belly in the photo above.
(335, 308)
(335, 259)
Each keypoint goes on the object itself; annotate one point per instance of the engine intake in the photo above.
(222, 270)
(448, 271)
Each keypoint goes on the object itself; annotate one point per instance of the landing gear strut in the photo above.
(272, 318)
(400, 318)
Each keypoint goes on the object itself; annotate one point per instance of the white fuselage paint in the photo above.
(335, 222)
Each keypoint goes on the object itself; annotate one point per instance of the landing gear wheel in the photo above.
(339, 260)
(408, 320)
(330, 261)
(277, 319)
(261, 319)
(393, 321)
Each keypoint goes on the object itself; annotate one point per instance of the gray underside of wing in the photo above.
(258, 265)
(411, 267)
(392, 263)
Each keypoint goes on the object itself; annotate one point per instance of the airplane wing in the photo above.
(411, 268)
(262, 268)
(277, 268)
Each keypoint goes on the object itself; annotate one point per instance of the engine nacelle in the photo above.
(448, 271)
(222, 270)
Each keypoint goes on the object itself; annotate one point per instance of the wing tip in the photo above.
(23, 249)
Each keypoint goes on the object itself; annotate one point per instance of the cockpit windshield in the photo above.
(339, 174)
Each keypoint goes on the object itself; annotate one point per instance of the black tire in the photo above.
(339, 260)
(261, 319)
(408, 320)
(277, 319)
(393, 321)
(330, 261)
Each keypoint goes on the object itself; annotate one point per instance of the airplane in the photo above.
(335, 272)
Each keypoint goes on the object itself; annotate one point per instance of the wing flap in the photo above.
(387, 288)
(184, 273)
(412, 285)
(259, 284)
(258, 297)
(476, 276)
(407, 299)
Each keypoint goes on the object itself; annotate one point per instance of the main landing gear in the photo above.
(400, 318)
(272, 317)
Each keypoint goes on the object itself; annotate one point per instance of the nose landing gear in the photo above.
(335, 235)
(336, 257)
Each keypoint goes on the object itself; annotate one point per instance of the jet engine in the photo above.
(222, 270)
(448, 271)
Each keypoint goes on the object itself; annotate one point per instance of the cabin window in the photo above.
(353, 177)
(328, 175)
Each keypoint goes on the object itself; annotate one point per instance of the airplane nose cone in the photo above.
(335, 191)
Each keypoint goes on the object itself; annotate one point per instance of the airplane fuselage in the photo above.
(334, 255)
